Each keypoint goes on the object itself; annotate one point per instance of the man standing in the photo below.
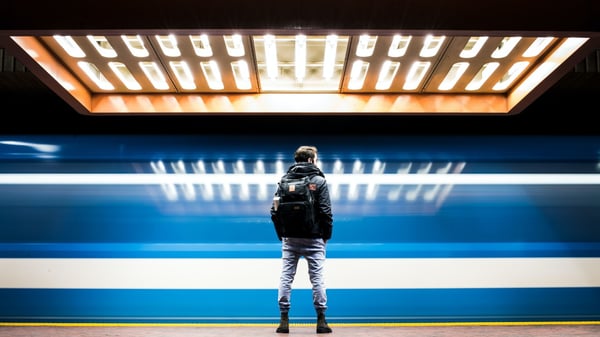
(309, 242)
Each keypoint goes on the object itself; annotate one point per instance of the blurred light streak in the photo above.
(36, 146)
(225, 179)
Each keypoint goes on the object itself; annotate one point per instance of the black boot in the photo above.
(322, 326)
(284, 324)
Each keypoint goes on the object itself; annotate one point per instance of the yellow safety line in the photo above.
(389, 324)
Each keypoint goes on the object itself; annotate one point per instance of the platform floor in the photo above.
(544, 330)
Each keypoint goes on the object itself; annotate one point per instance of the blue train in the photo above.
(175, 228)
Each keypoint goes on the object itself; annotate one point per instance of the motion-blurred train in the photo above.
(176, 229)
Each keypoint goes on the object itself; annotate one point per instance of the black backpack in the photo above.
(296, 210)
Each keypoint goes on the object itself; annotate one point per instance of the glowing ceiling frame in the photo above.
(220, 72)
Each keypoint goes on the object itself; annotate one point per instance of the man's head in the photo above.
(306, 154)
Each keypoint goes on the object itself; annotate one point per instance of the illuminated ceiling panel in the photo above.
(300, 63)
(216, 73)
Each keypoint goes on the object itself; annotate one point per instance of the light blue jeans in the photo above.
(313, 250)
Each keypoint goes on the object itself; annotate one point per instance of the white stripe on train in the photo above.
(251, 273)
(271, 179)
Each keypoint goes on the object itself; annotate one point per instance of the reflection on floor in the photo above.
(555, 329)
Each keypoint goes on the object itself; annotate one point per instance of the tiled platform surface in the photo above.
(544, 330)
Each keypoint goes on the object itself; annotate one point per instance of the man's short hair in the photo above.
(304, 152)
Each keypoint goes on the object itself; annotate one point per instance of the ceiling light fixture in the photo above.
(300, 72)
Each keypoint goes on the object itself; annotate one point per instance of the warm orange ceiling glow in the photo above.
(392, 73)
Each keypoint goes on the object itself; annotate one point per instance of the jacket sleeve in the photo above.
(325, 212)
(275, 219)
